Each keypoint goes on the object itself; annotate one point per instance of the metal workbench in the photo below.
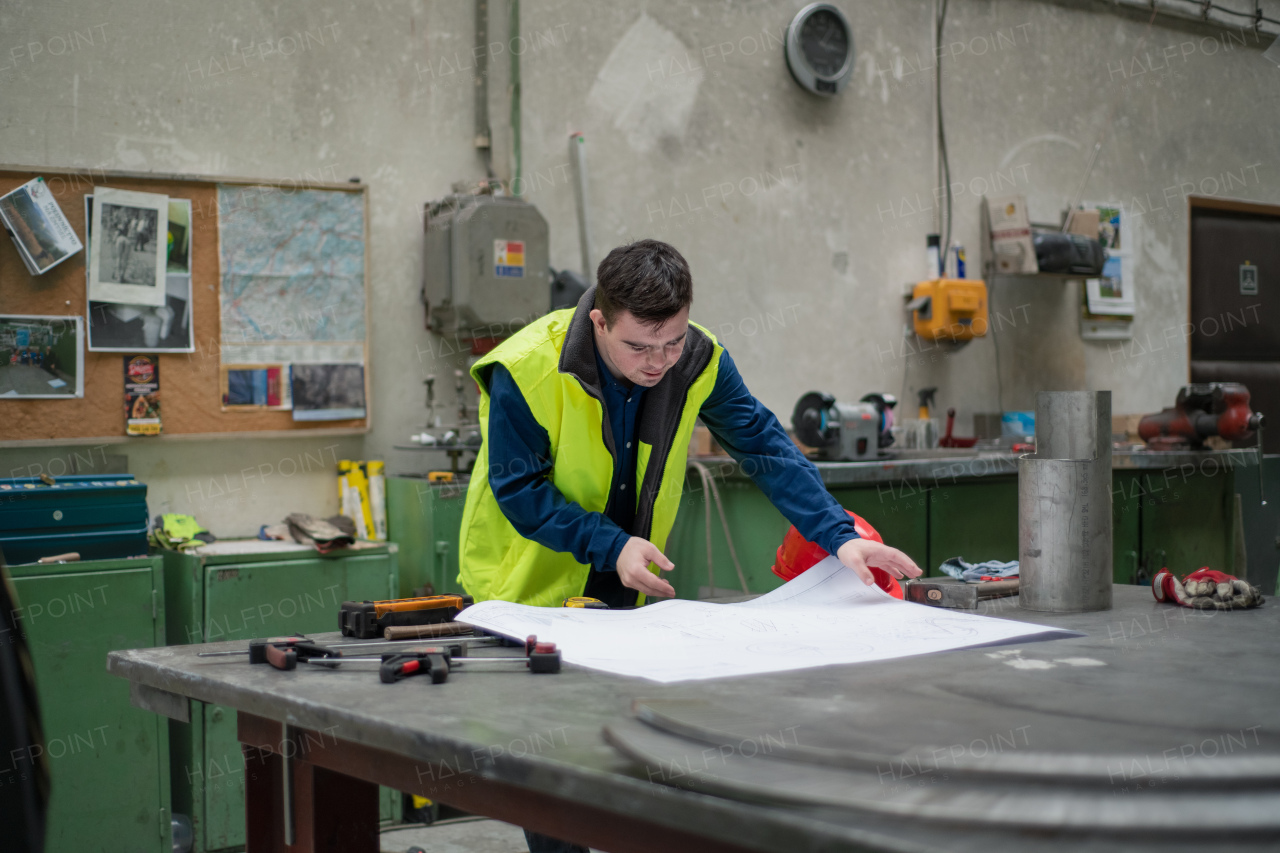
(1148, 721)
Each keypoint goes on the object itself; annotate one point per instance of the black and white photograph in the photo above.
(41, 357)
(327, 392)
(122, 327)
(117, 327)
(38, 227)
(128, 252)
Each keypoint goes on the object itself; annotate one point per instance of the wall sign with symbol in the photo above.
(508, 258)
(1248, 279)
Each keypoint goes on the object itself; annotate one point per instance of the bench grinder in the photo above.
(844, 431)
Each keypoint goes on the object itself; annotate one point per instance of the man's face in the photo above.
(640, 353)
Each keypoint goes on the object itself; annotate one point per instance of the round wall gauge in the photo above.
(820, 49)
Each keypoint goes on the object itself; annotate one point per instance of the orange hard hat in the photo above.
(797, 555)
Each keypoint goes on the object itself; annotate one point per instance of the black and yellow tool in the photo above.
(366, 619)
(585, 602)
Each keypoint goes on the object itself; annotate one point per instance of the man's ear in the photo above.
(597, 318)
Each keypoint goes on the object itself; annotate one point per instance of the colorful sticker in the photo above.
(508, 258)
(142, 395)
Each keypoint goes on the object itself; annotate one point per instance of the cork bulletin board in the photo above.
(191, 384)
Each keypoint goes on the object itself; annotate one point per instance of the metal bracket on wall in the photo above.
(158, 701)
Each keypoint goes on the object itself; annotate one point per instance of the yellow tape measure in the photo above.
(584, 601)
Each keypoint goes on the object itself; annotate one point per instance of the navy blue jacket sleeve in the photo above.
(519, 476)
(752, 435)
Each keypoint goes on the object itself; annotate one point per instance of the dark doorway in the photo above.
(1235, 305)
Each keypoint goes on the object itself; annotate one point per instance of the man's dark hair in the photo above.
(649, 278)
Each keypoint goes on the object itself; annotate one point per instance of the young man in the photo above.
(586, 416)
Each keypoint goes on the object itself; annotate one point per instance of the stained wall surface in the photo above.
(802, 218)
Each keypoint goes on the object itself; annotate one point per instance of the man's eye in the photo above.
(638, 349)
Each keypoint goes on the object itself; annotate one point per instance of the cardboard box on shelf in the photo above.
(702, 444)
(1010, 235)
(1083, 222)
(1127, 426)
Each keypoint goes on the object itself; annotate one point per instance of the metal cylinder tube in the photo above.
(1064, 505)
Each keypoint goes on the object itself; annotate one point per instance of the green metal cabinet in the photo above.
(757, 530)
(1181, 518)
(240, 597)
(108, 761)
(424, 519)
(1261, 523)
(1126, 528)
(899, 515)
(975, 520)
(898, 511)
(1188, 520)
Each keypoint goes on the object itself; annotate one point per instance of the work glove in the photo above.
(1206, 589)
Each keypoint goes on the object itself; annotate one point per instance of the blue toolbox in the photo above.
(98, 516)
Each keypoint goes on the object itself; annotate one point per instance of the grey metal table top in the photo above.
(1148, 683)
(942, 467)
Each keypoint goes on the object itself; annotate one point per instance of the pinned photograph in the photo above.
(117, 327)
(328, 392)
(128, 248)
(39, 228)
(1112, 294)
(178, 250)
(120, 327)
(41, 357)
(254, 387)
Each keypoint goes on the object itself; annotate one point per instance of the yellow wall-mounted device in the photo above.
(949, 309)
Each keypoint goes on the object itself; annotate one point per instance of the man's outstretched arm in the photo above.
(754, 437)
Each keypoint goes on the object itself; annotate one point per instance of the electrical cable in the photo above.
(995, 343)
(709, 488)
(517, 154)
(942, 133)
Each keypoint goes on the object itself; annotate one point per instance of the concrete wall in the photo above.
(802, 218)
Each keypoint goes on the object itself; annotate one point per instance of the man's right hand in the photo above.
(633, 568)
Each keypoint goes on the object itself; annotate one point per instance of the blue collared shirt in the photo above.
(520, 465)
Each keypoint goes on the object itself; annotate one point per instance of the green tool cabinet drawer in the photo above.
(108, 761)
(425, 520)
(241, 597)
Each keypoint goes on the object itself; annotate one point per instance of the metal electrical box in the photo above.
(487, 265)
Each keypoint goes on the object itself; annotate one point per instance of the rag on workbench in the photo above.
(962, 570)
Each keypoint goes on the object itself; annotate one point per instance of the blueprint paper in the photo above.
(825, 616)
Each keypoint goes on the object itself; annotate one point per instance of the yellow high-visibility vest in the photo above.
(553, 363)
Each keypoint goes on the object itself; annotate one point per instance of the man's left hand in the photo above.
(857, 554)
